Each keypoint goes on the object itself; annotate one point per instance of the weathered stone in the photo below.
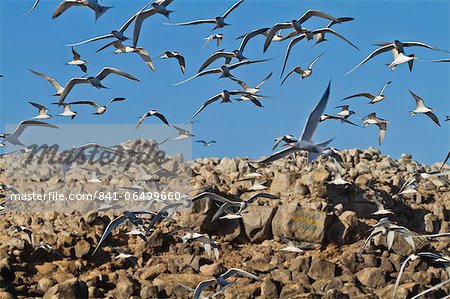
(258, 223)
(372, 277)
(294, 222)
(321, 269)
(73, 288)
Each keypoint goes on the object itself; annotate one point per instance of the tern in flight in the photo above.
(224, 70)
(152, 113)
(252, 90)
(121, 48)
(373, 99)
(183, 133)
(303, 73)
(43, 112)
(309, 35)
(262, 31)
(206, 143)
(56, 85)
(287, 139)
(92, 4)
(218, 37)
(320, 36)
(325, 117)
(372, 119)
(117, 34)
(14, 137)
(296, 25)
(66, 110)
(345, 113)
(221, 280)
(306, 141)
(218, 21)
(225, 96)
(78, 61)
(158, 6)
(222, 54)
(420, 108)
(94, 81)
(397, 47)
(100, 109)
(176, 55)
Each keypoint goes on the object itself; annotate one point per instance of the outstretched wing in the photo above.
(232, 8)
(288, 51)
(207, 103)
(111, 226)
(314, 117)
(31, 123)
(109, 70)
(378, 51)
(246, 37)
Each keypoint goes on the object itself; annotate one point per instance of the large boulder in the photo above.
(72, 288)
(258, 223)
(295, 222)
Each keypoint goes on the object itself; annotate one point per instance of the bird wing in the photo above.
(215, 197)
(290, 73)
(52, 81)
(384, 87)
(202, 285)
(382, 126)
(316, 13)
(115, 100)
(220, 211)
(111, 226)
(127, 24)
(33, 7)
(263, 80)
(72, 82)
(213, 57)
(65, 5)
(139, 19)
(181, 62)
(445, 161)
(314, 61)
(76, 56)
(279, 155)
(246, 37)
(162, 118)
(39, 106)
(201, 141)
(109, 45)
(400, 273)
(31, 123)
(86, 103)
(144, 55)
(325, 30)
(423, 45)
(363, 94)
(433, 118)
(109, 35)
(236, 271)
(109, 70)
(419, 100)
(208, 102)
(341, 20)
(142, 119)
(273, 31)
(197, 22)
(262, 195)
(378, 51)
(232, 8)
(245, 62)
(205, 72)
(288, 51)
(314, 117)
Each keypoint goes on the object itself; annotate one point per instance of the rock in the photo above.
(258, 223)
(212, 270)
(268, 288)
(321, 269)
(280, 183)
(372, 277)
(281, 275)
(73, 288)
(124, 288)
(294, 222)
(45, 283)
(82, 248)
(259, 266)
(153, 271)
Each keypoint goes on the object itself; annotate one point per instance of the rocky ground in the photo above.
(332, 220)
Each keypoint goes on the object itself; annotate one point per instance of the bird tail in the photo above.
(411, 63)
(321, 146)
(101, 10)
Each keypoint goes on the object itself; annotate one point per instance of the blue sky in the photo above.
(37, 42)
